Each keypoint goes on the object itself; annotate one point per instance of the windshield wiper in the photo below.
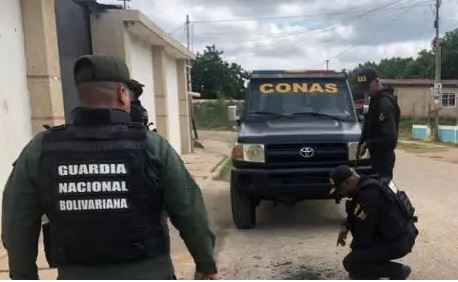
(315, 114)
(272, 114)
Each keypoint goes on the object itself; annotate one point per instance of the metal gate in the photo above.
(74, 40)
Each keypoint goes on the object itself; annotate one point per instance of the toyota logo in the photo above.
(307, 152)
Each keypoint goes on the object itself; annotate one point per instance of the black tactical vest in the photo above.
(101, 206)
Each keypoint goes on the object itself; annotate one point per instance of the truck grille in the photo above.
(324, 154)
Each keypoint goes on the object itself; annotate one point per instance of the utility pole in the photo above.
(124, 3)
(188, 26)
(188, 74)
(327, 64)
(437, 92)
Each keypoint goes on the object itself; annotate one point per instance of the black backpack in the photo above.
(402, 201)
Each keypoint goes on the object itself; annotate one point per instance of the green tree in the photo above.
(450, 55)
(212, 76)
(394, 67)
(421, 67)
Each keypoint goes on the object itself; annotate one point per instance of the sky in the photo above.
(302, 34)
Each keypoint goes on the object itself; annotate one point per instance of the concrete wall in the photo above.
(108, 35)
(141, 69)
(184, 107)
(15, 113)
(173, 104)
(43, 65)
(414, 101)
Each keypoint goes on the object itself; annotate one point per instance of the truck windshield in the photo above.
(321, 97)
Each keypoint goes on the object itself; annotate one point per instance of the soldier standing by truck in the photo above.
(381, 125)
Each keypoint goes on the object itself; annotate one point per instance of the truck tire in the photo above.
(243, 209)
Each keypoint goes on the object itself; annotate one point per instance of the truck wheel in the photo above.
(243, 209)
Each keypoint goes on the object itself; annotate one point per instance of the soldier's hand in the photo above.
(201, 276)
(362, 149)
(342, 237)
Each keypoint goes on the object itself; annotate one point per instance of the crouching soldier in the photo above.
(381, 222)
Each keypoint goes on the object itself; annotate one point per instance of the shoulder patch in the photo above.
(362, 215)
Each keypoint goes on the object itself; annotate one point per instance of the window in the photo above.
(448, 100)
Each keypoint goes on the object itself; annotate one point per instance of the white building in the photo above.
(15, 113)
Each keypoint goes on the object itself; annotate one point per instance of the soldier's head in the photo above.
(136, 88)
(102, 82)
(344, 181)
(368, 82)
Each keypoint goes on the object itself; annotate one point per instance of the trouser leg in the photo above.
(383, 163)
(374, 262)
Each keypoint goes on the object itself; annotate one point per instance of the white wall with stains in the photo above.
(15, 122)
(141, 69)
(173, 104)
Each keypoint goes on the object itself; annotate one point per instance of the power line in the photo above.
(208, 36)
(314, 15)
(305, 30)
(178, 29)
(383, 27)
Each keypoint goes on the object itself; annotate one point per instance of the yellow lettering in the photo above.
(331, 88)
(316, 87)
(300, 88)
(362, 78)
(283, 88)
(266, 88)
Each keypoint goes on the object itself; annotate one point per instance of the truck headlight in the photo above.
(353, 152)
(249, 153)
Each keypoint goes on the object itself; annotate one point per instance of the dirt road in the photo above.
(299, 242)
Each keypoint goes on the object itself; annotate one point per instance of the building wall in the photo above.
(173, 104)
(141, 69)
(15, 112)
(414, 101)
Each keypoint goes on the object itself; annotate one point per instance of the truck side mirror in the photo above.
(232, 114)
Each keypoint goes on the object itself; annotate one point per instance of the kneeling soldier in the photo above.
(381, 230)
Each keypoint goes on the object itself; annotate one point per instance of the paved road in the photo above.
(299, 242)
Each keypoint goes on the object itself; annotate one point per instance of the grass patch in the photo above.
(218, 164)
(225, 171)
(405, 129)
(420, 147)
(212, 115)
